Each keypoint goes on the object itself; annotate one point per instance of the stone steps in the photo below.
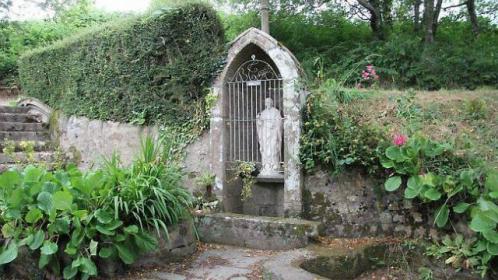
(14, 110)
(22, 157)
(267, 233)
(39, 146)
(19, 126)
(17, 117)
(25, 135)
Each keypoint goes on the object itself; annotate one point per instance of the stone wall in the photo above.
(89, 141)
(352, 204)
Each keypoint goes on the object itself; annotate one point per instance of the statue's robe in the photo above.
(269, 126)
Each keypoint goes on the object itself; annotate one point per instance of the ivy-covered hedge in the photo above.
(133, 70)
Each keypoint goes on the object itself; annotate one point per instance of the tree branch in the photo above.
(454, 6)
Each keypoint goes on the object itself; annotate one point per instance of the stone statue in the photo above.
(269, 126)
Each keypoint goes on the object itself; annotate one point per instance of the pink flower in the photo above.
(399, 139)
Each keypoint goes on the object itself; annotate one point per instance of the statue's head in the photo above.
(268, 103)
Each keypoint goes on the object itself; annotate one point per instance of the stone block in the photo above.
(269, 233)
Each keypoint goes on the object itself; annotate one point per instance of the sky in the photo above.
(25, 9)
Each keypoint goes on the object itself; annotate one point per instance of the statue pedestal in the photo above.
(270, 178)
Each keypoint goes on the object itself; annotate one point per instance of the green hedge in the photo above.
(144, 70)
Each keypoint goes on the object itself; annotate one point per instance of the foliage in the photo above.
(247, 172)
(27, 155)
(463, 253)
(155, 67)
(18, 37)
(462, 194)
(68, 218)
(206, 179)
(332, 136)
(476, 109)
(455, 60)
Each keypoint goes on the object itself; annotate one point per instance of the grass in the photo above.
(467, 118)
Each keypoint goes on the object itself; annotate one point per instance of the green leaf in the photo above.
(481, 223)
(45, 201)
(414, 185)
(33, 216)
(69, 272)
(394, 153)
(26, 241)
(461, 207)
(81, 214)
(491, 236)
(105, 252)
(432, 194)
(32, 174)
(133, 229)
(8, 230)
(49, 248)
(9, 179)
(145, 242)
(87, 266)
(442, 216)
(493, 195)
(113, 225)
(492, 249)
(8, 254)
(37, 241)
(77, 236)
(44, 260)
(63, 200)
(125, 254)
(103, 230)
(70, 250)
(103, 216)
(93, 247)
(393, 183)
(492, 181)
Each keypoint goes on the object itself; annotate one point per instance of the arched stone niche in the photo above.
(283, 197)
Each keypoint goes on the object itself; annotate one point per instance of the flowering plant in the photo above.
(399, 139)
(368, 76)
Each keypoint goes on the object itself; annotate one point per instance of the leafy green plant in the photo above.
(425, 273)
(462, 195)
(69, 219)
(476, 109)
(331, 136)
(247, 171)
(149, 193)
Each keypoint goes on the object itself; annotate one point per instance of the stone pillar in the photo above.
(293, 179)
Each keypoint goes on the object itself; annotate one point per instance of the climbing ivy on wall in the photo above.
(144, 70)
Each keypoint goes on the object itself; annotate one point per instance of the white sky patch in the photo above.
(136, 6)
(27, 10)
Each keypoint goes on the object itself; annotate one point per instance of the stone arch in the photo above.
(254, 41)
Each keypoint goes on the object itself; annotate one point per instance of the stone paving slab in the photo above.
(222, 262)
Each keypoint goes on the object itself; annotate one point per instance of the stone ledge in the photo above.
(267, 233)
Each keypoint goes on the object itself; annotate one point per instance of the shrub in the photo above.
(465, 194)
(334, 138)
(154, 67)
(69, 219)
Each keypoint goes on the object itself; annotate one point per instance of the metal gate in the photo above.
(253, 82)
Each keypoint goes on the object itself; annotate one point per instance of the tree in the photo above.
(4, 8)
(431, 19)
(380, 16)
(471, 9)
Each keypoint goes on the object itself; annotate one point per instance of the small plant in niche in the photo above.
(205, 199)
(246, 171)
